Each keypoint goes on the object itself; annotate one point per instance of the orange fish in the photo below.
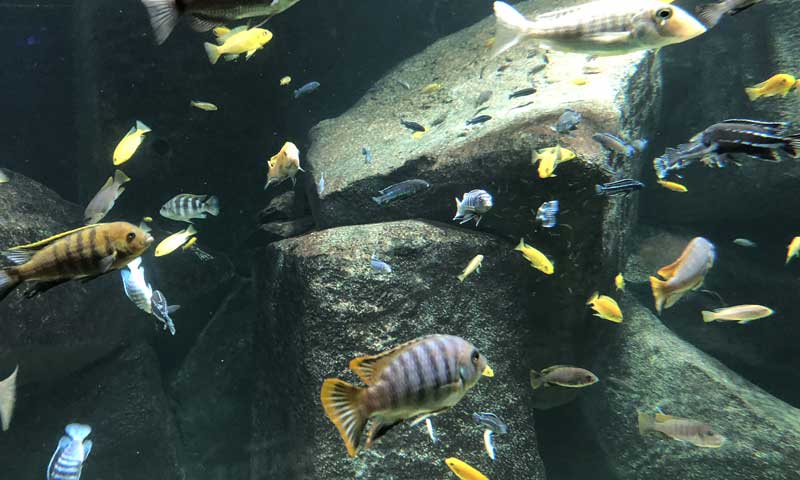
(684, 274)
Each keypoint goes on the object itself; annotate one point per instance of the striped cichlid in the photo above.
(473, 205)
(603, 27)
(695, 432)
(83, 253)
(185, 207)
(207, 14)
(419, 378)
(404, 189)
(73, 449)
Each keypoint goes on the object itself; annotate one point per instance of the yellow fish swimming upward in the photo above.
(794, 248)
(549, 158)
(606, 308)
(619, 282)
(236, 42)
(130, 142)
(538, 259)
(779, 84)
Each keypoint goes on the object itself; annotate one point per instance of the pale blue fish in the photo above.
(367, 155)
(431, 432)
(490, 421)
(473, 205)
(488, 444)
(743, 242)
(321, 184)
(403, 189)
(306, 89)
(161, 310)
(379, 266)
(546, 215)
(73, 449)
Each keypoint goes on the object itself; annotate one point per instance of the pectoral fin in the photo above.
(107, 262)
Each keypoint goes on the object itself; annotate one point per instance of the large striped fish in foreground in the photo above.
(83, 253)
(684, 274)
(423, 377)
(207, 14)
(602, 28)
(73, 449)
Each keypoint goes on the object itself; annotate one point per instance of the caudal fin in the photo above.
(793, 146)
(658, 292)
(512, 27)
(708, 317)
(8, 397)
(752, 93)
(164, 16)
(342, 405)
(8, 282)
(646, 422)
(537, 380)
(213, 52)
(212, 205)
(710, 14)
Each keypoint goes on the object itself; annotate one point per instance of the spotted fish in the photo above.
(73, 449)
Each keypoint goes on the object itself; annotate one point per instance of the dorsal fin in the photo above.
(554, 367)
(47, 241)
(368, 367)
(662, 417)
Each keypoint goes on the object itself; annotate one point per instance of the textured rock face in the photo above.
(327, 306)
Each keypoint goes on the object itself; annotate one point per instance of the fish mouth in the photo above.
(488, 372)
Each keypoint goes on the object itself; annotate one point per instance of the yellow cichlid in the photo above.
(431, 87)
(171, 243)
(206, 106)
(474, 265)
(538, 259)
(794, 248)
(130, 142)
(619, 282)
(779, 84)
(286, 80)
(418, 135)
(463, 470)
(606, 308)
(189, 244)
(740, 313)
(550, 158)
(675, 187)
(284, 165)
(579, 81)
(237, 42)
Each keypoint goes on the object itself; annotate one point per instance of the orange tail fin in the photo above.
(342, 404)
(659, 295)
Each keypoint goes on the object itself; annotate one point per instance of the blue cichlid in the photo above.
(546, 215)
(473, 205)
(72, 451)
(136, 288)
(400, 190)
(378, 265)
(161, 310)
(490, 421)
(306, 89)
(620, 187)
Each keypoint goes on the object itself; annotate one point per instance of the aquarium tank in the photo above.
(394, 240)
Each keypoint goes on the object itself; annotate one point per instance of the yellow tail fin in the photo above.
(213, 52)
(752, 93)
(658, 292)
(708, 316)
(342, 405)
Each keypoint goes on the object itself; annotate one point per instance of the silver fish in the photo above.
(473, 205)
(73, 449)
(490, 421)
(306, 89)
(743, 242)
(321, 184)
(185, 207)
(161, 310)
(378, 265)
(603, 27)
(431, 433)
(710, 14)
(546, 215)
(614, 143)
(104, 200)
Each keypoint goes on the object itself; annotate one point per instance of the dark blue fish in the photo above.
(620, 187)
(161, 310)
(546, 215)
(401, 190)
(72, 451)
(567, 122)
(479, 119)
(522, 93)
(413, 126)
(306, 89)
(490, 421)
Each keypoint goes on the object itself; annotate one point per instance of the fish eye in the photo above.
(663, 13)
(131, 236)
(475, 356)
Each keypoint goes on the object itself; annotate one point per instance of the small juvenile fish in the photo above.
(606, 308)
(306, 89)
(400, 190)
(538, 259)
(8, 398)
(185, 207)
(710, 15)
(684, 274)
(73, 449)
(378, 265)
(429, 427)
(522, 93)
(3, 177)
(431, 87)
(161, 310)
(284, 165)
(404, 84)
(488, 444)
(567, 122)
(413, 126)
(174, 241)
(740, 313)
(483, 97)
(463, 470)
(779, 84)
(614, 143)
(743, 242)
(550, 158)
(697, 433)
(546, 215)
(479, 119)
(619, 282)
(473, 205)
(793, 249)
(367, 155)
(321, 184)
(236, 42)
(620, 187)
(674, 186)
(285, 81)
(474, 265)
(104, 200)
(563, 376)
(490, 421)
(206, 106)
(130, 142)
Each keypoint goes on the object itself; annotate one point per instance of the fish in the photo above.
(742, 314)
(563, 376)
(378, 265)
(483, 97)
(619, 282)
(538, 259)
(620, 187)
(639, 144)
(136, 288)
(488, 444)
(80, 254)
(463, 470)
(404, 84)
(479, 119)
(743, 242)
(186, 207)
(431, 87)
(147, 219)
(400, 190)
(418, 135)
(779, 84)
(697, 433)
(172, 242)
(684, 274)
(73, 449)
(546, 214)
(549, 158)
(567, 122)
(285, 81)
(579, 81)
(710, 14)
(473, 205)
(161, 310)
(605, 307)
(206, 106)
(367, 155)
(8, 398)
(490, 421)
(675, 187)
(413, 126)
(522, 93)
(130, 142)
(189, 244)
(429, 427)
(598, 28)
(474, 265)
(103, 201)
(419, 378)
(306, 89)
(793, 249)
(321, 184)
(614, 143)
(237, 42)
(207, 14)
(3, 177)
(284, 165)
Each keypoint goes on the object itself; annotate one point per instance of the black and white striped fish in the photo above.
(185, 207)
(620, 187)
(161, 310)
(473, 205)
(72, 451)
(546, 215)
(136, 288)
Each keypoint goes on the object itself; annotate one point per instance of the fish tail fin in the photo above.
(458, 208)
(8, 397)
(461, 277)
(537, 379)
(752, 93)
(78, 432)
(793, 146)
(342, 404)
(9, 281)
(710, 14)
(594, 297)
(120, 177)
(521, 245)
(598, 189)
(212, 205)
(378, 200)
(213, 52)
(141, 127)
(658, 292)
(708, 317)
(191, 230)
(164, 16)
(646, 422)
(512, 27)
